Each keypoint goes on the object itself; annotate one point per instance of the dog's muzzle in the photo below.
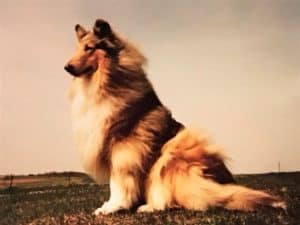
(75, 72)
(70, 68)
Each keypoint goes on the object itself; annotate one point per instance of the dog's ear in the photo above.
(80, 31)
(102, 29)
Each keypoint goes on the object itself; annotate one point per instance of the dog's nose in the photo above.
(70, 68)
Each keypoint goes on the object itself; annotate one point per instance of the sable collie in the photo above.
(127, 137)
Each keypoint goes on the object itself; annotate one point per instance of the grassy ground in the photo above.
(72, 201)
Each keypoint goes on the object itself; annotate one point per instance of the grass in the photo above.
(72, 202)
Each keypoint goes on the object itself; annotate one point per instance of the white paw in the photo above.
(107, 208)
(145, 208)
(281, 205)
(98, 211)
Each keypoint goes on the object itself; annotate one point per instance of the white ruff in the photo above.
(89, 120)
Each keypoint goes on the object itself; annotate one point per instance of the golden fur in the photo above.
(179, 179)
(126, 137)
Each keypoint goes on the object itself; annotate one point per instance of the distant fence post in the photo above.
(69, 178)
(11, 179)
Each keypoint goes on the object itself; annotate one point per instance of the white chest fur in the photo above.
(89, 123)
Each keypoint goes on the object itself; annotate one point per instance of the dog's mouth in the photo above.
(77, 73)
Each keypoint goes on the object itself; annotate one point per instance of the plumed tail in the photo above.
(246, 199)
(202, 193)
(192, 174)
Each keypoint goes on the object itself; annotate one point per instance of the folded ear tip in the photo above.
(102, 28)
(77, 26)
(100, 22)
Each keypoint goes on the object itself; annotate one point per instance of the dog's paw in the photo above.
(107, 208)
(145, 208)
(280, 205)
(98, 211)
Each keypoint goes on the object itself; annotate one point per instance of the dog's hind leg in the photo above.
(158, 194)
(157, 198)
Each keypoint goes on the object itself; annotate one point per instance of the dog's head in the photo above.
(95, 49)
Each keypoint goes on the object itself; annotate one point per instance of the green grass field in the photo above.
(70, 198)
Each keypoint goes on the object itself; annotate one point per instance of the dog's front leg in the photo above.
(124, 192)
(125, 184)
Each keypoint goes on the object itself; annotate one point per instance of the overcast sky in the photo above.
(230, 67)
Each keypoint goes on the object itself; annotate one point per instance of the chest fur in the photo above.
(90, 121)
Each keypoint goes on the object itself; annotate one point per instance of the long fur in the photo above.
(191, 174)
(127, 137)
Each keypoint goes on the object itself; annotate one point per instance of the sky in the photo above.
(228, 67)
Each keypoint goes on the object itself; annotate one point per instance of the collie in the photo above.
(127, 137)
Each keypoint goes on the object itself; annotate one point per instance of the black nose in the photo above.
(70, 68)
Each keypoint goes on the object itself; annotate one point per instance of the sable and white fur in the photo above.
(128, 138)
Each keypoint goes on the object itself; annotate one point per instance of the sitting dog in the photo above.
(127, 137)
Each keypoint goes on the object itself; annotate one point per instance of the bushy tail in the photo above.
(196, 177)
(201, 193)
(246, 199)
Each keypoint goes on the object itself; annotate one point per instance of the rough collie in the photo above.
(128, 138)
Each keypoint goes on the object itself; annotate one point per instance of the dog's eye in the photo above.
(88, 48)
